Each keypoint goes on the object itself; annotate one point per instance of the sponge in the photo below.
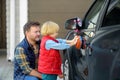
(78, 44)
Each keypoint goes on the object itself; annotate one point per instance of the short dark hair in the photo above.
(29, 24)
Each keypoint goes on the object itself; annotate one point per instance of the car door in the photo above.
(103, 52)
(75, 66)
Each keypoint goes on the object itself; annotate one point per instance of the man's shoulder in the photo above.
(19, 49)
(23, 43)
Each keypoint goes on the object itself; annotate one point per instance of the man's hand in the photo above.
(35, 73)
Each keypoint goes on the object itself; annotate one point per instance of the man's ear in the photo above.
(26, 32)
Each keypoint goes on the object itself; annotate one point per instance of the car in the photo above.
(100, 60)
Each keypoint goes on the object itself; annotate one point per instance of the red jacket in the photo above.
(49, 60)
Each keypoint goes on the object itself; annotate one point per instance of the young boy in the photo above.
(49, 59)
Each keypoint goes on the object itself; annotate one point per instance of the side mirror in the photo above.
(73, 24)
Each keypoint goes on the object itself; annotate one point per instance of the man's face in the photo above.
(34, 33)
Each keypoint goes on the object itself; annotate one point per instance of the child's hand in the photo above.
(61, 76)
(74, 41)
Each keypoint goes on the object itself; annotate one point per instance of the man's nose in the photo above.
(38, 33)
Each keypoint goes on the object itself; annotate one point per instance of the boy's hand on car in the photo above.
(74, 40)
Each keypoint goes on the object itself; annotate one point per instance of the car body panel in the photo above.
(104, 55)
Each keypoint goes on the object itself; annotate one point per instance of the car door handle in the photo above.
(114, 50)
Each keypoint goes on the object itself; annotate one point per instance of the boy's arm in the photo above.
(73, 41)
(59, 46)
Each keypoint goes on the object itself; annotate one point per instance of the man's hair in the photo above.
(29, 24)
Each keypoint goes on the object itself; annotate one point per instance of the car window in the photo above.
(113, 14)
(92, 17)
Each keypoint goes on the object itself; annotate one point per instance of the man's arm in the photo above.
(24, 65)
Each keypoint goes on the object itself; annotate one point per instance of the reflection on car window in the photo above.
(92, 16)
(92, 22)
(113, 14)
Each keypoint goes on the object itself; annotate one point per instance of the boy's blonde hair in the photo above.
(49, 27)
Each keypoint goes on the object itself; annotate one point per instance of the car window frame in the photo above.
(111, 6)
(101, 15)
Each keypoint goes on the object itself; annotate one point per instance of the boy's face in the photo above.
(54, 35)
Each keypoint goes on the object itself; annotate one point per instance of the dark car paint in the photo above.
(102, 57)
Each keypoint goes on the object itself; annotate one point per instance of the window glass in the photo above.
(113, 14)
(92, 16)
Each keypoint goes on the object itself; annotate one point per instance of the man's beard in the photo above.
(37, 39)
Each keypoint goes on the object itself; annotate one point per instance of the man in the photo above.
(26, 54)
